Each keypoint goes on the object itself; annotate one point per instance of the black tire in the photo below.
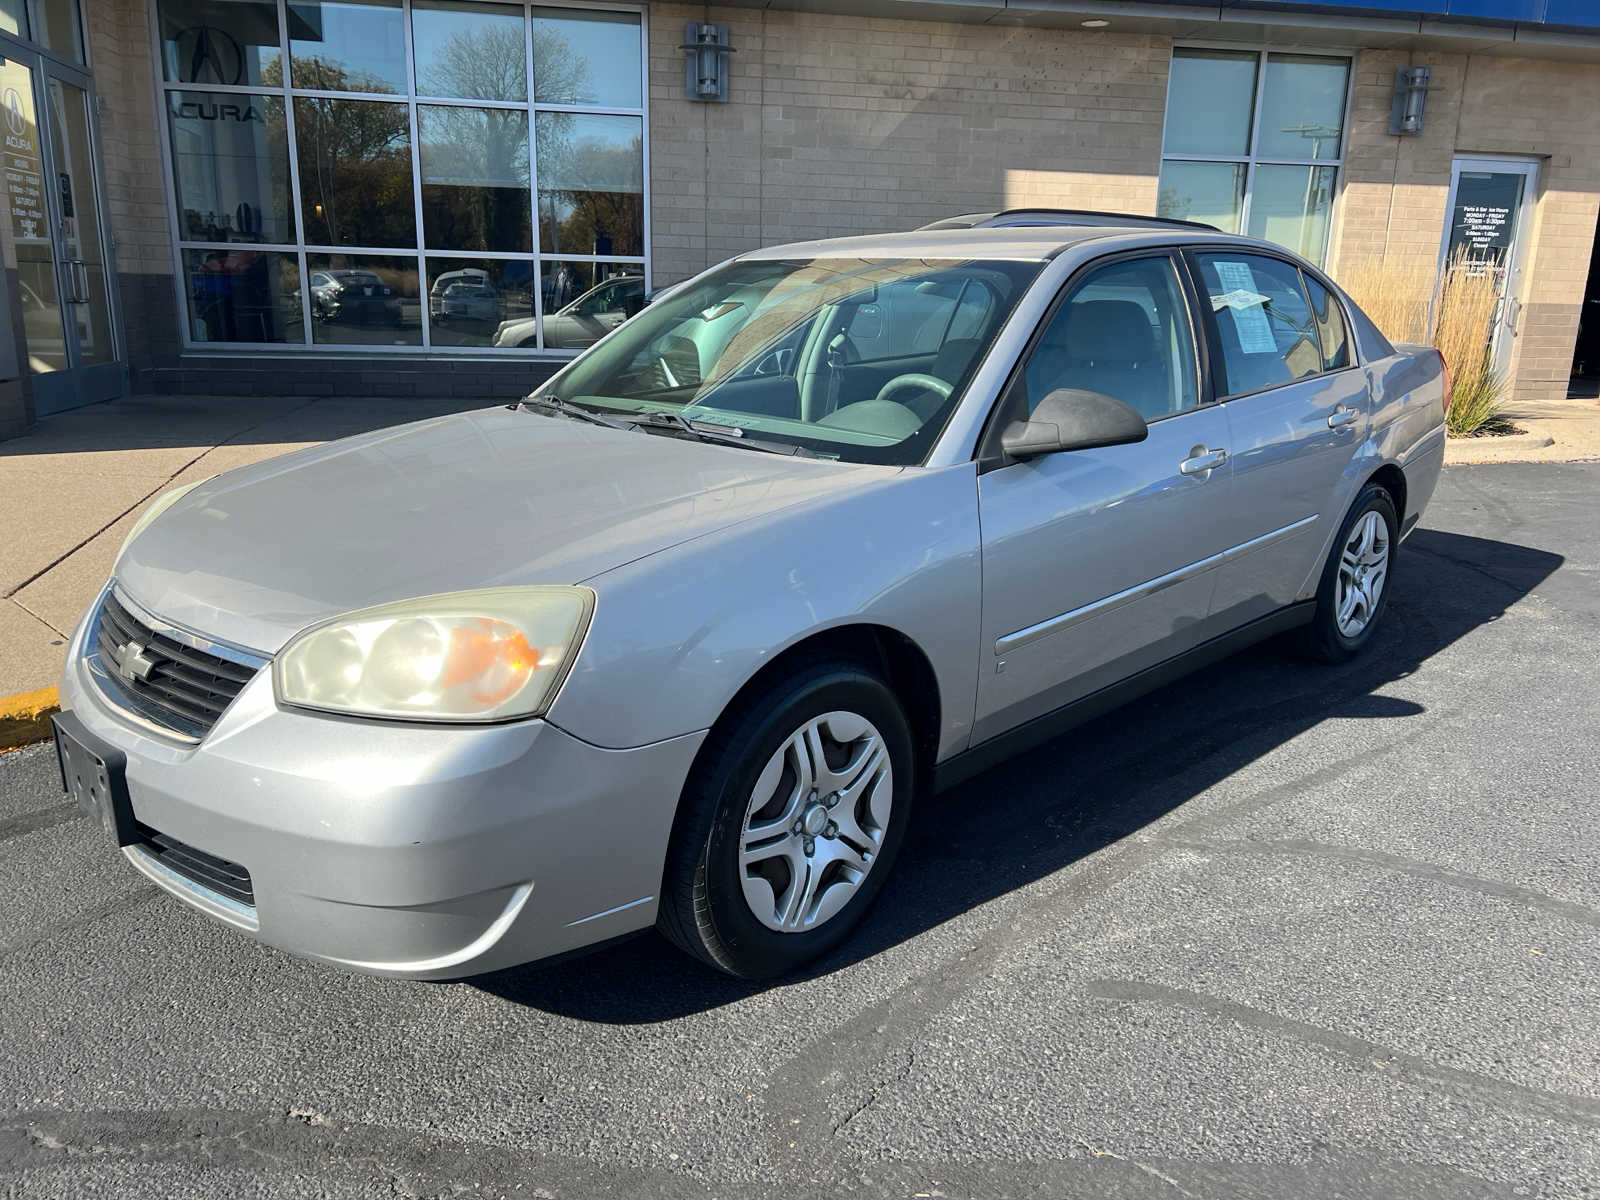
(1322, 639)
(703, 908)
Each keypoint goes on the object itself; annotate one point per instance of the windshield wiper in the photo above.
(568, 409)
(678, 423)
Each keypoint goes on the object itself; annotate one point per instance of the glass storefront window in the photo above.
(59, 28)
(242, 294)
(354, 158)
(1211, 100)
(470, 51)
(591, 184)
(14, 18)
(1254, 141)
(377, 175)
(363, 299)
(1292, 206)
(582, 56)
(230, 153)
(1203, 191)
(475, 183)
(470, 301)
(348, 46)
(230, 42)
(1302, 107)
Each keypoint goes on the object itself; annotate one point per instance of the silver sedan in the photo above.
(680, 639)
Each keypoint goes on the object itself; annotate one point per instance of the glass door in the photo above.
(58, 226)
(1490, 204)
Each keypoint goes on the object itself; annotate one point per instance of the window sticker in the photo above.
(1248, 307)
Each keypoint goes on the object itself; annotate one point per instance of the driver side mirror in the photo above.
(1073, 419)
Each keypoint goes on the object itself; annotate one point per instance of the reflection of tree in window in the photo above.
(591, 185)
(475, 160)
(355, 163)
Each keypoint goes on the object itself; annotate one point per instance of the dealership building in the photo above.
(398, 197)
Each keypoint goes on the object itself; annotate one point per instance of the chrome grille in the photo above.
(164, 677)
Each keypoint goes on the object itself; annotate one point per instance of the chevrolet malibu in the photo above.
(681, 638)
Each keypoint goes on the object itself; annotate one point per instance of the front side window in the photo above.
(851, 358)
(1124, 332)
(1253, 143)
(1264, 329)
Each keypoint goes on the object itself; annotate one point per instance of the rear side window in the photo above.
(1330, 326)
(1262, 320)
(1124, 332)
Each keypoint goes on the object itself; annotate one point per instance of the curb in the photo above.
(25, 718)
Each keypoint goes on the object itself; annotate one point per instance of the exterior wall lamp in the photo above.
(705, 74)
(1410, 99)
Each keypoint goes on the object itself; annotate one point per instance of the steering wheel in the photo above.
(925, 383)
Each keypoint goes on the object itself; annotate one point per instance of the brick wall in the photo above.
(840, 124)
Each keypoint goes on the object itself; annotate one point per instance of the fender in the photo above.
(661, 660)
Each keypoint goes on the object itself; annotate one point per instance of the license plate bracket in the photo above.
(95, 775)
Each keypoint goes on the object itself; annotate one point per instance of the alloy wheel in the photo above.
(815, 822)
(1363, 570)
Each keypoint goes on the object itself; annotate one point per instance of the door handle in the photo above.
(1203, 463)
(1342, 416)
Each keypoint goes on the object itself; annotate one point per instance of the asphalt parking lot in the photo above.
(1277, 930)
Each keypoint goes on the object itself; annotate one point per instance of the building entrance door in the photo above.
(1491, 203)
(71, 348)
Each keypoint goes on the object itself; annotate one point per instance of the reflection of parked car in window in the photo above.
(443, 283)
(470, 300)
(355, 296)
(583, 322)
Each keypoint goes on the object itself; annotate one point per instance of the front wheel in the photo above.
(790, 822)
(1354, 590)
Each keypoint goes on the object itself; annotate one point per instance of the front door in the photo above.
(57, 216)
(1098, 563)
(1490, 209)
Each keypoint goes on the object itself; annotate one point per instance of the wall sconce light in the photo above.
(1410, 99)
(706, 50)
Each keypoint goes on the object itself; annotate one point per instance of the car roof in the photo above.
(1031, 243)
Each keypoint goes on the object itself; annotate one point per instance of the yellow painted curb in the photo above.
(26, 718)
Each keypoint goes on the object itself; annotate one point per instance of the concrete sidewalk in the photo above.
(72, 487)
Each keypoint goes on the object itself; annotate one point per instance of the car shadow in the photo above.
(1064, 801)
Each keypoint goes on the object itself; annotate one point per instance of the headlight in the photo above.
(158, 506)
(489, 655)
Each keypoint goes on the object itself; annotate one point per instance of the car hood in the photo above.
(483, 499)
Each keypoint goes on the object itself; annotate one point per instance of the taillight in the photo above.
(1444, 374)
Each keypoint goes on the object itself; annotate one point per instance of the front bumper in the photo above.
(421, 851)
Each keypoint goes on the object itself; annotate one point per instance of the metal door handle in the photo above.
(1341, 416)
(1203, 464)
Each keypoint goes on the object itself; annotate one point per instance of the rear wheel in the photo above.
(1354, 590)
(790, 823)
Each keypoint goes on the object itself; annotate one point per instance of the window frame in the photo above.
(300, 248)
(1251, 159)
(1213, 333)
(987, 452)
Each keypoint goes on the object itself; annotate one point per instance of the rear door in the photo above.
(1098, 563)
(1297, 408)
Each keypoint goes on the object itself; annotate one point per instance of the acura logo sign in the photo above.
(133, 663)
(16, 119)
(207, 48)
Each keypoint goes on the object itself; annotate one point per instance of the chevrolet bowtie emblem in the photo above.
(132, 662)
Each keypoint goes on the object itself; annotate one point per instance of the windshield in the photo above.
(856, 359)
